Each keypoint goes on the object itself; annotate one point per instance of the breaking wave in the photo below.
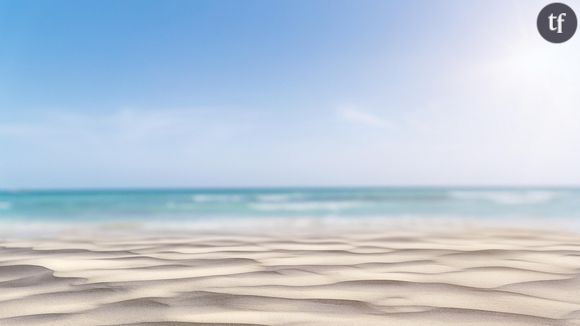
(529, 197)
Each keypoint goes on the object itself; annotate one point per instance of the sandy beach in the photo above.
(484, 276)
(289, 163)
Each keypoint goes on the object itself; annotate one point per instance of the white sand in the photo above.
(478, 276)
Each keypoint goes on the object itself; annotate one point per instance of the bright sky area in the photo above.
(233, 93)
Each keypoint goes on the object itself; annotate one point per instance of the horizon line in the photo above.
(289, 187)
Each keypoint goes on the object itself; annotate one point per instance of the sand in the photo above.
(479, 276)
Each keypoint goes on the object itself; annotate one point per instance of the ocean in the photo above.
(348, 203)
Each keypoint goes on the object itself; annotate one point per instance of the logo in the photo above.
(557, 23)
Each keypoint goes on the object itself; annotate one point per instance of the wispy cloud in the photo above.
(359, 117)
(125, 126)
(138, 147)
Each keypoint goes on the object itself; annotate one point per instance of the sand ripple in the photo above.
(484, 277)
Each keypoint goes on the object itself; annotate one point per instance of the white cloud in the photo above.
(363, 118)
(125, 147)
(124, 126)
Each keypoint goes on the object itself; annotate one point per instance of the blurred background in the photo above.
(324, 99)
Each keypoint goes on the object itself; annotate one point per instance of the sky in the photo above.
(227, 93)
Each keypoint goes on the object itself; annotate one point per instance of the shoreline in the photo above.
(37, 228)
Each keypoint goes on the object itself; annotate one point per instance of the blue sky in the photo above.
(284, 93)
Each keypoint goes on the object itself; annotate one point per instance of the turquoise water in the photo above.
(159, 205)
